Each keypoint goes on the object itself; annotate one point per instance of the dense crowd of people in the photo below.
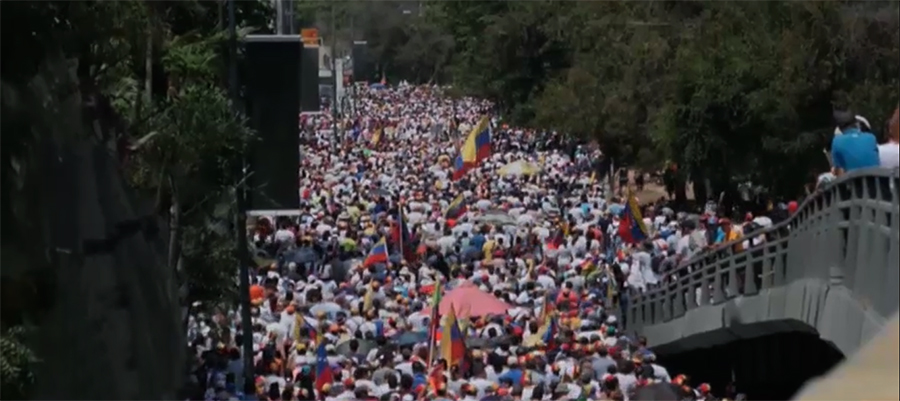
(422, 266)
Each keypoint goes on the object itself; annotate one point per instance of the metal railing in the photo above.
(845, 234)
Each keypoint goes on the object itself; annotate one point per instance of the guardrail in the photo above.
(846, 234)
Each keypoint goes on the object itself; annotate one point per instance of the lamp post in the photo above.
(242, 252)
(334, 98)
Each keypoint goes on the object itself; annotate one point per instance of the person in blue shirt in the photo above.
(514, 374)
(419, 377)
(852, 149)
(477, 241)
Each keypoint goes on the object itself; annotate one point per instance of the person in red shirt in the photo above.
(567, 297)
(792, 207)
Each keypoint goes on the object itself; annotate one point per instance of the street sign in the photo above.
(309, 36)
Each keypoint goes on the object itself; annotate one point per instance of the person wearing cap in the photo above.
(853, 149)
(660, 373)
(727, 232)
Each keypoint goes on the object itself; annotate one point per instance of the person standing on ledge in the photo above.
(853, 149)
(889, 152)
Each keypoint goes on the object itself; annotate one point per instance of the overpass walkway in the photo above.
(831, 269)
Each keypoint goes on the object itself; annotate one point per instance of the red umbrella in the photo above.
(469, 300)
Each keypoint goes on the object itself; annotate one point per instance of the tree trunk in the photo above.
(175, 259)
(174, 256)
(148, 68)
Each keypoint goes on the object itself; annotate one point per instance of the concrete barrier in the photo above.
(831, 268)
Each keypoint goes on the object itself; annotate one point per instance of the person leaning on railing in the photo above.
(727, 232)
(851, 147)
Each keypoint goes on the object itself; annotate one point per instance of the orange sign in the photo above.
(309, 36)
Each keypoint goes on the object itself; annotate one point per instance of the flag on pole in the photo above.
(453, 344)
(368, 299)
(435, 320)
(378, 254)
(476, 148)
(631, 227)
(324, 375)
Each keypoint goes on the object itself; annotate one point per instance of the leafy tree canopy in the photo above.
(152, 75)
(728, 90)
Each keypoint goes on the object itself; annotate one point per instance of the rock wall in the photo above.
(115, 330)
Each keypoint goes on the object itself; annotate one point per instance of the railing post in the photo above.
(845, 235)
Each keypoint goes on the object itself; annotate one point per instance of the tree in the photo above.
(404, 38)
(147, 81)
(729, 91)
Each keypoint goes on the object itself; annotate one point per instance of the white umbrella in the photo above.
(496, 219)
(329, 178)
(415, 217)
(546, 281)
(763, 221)
(525, 219)
(325, 307)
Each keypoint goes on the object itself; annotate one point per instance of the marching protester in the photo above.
(440, 254)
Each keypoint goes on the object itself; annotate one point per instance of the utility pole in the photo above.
(291, 21)
(334, 98)
(352, 78)
(279, 17)
(242, 254)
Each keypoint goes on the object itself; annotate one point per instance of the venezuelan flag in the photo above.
(401, 236)
(631, 226)
(434, 323)
(435, 311)
(476, 148)
(588, 266)
(456, 208)
(550, 332)
(368, 299)
(453, 344)
(324, 375)
(301, 325)
(378, 254)
(465, 321)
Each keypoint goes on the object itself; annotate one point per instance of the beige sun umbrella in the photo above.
(519, 168)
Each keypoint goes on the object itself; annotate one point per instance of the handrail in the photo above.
(846, 233)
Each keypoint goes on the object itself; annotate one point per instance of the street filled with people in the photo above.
(439, 253)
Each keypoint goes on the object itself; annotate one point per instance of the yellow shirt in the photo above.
(488, 250)
(734, 234)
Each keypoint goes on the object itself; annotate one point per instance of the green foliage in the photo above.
(210, 264)
(193, 156)
(726, 89)
(405, 38)
(160, 66)
(16, 360)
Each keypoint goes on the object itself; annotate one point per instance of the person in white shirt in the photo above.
(889, 152)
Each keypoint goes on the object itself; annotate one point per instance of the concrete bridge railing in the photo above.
(845, 236)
